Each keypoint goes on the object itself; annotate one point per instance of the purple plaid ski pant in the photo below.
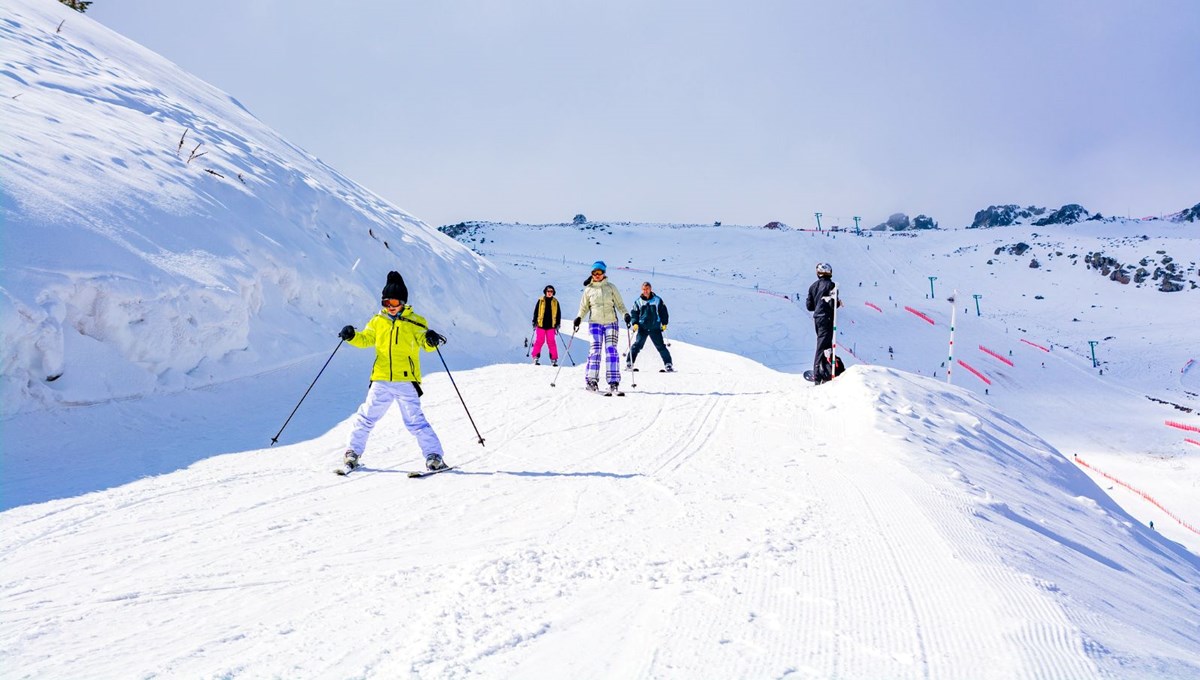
(604, 333)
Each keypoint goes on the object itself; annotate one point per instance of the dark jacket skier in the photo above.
(820, 303)
(649, 318)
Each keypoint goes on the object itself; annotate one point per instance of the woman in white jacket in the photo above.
(602, 304)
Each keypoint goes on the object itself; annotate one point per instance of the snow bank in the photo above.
(159, 237)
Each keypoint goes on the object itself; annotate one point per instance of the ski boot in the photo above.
(350, 459)
(554, 363)
(668, 369)
(434, 462)
(593, 386)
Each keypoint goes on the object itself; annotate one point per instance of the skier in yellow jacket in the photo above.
(398, 335)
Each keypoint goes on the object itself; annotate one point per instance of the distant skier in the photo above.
(602, 304)
(820, 303)
(649, 315)
(546, 321)
(398, 334)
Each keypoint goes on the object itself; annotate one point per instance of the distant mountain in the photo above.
(1071, 213)
(1191, 214)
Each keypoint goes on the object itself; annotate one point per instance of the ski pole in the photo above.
(833, 345)
(528, 346)
(568, 350)
(629, 353)
(460, 397)
(314, 382)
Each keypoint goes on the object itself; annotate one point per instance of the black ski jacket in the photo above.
(815, 304)
(649, 314)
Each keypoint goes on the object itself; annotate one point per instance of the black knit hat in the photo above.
(395, 288)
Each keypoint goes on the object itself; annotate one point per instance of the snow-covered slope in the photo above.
(153, 312)
(725, 522)
(734, 288)
(158, 237)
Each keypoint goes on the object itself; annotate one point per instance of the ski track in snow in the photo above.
(668, 534)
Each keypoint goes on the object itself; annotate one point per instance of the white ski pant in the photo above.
(379, 398)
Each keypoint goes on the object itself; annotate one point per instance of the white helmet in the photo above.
(824, 268)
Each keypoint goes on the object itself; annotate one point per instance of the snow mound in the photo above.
(158, 237)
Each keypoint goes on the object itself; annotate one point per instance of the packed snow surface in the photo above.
(725, 521)
(1034, 518)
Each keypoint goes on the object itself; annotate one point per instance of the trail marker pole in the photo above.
(953, 313)
(833, 345)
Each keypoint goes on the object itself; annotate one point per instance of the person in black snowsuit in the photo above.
(820, 304)
(649, 318)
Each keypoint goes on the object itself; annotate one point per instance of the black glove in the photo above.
(578, 320)
(626, 318)
(347, 333)
(432, 338)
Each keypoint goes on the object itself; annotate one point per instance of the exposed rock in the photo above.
(1017, 249)
(897, 222)
(924, 222)
(1004, 215)
(1191, 214)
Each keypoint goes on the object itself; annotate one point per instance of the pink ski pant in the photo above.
(545, 335)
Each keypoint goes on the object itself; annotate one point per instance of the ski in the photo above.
(428, 473)
(344, 470)
(618, 393)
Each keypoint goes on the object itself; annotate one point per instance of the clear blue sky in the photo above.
(700, 110)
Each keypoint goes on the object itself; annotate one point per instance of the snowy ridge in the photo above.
(882, 526)
(154, 227)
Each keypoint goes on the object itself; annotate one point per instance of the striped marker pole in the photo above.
(953, 315)
(833, 347)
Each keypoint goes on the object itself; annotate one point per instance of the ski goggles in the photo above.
(392, 302)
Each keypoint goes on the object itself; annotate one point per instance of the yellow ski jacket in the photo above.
(398, 343)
